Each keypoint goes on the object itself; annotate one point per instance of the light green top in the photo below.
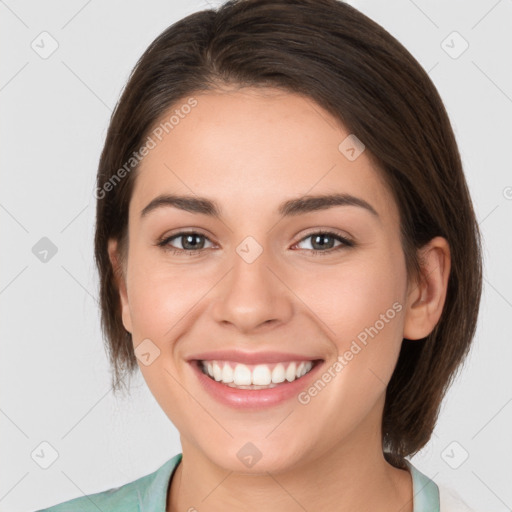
(149, 494)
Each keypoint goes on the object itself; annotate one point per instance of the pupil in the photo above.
(323, 241)
(188, 239)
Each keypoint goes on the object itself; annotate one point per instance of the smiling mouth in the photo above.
(258, 376)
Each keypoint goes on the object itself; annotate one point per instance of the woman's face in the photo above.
(262, 279)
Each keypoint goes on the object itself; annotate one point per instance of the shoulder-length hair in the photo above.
(359, 73)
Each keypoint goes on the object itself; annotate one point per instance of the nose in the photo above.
(253, 297)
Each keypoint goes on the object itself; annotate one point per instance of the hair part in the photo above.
(360, 74)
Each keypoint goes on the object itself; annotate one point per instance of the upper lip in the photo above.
(250, 357)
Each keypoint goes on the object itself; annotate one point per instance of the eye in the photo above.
(190, 241)
(323, 242)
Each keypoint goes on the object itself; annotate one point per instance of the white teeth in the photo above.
(290, 372)
(242, 375)
(217, 372)
(278, 374)
(259, 375)
(227, 374)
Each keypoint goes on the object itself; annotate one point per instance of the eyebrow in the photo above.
(291, 207)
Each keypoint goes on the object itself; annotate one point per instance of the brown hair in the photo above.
(358, 72)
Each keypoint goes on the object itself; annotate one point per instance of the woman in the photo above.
(288, 251)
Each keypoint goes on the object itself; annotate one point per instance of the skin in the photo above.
(249, 150)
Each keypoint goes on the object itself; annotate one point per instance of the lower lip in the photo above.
(254, 398)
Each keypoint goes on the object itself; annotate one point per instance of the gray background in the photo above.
(54, 372)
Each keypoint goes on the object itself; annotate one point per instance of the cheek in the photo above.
(161, 300)
(361, 309)
(160, 296)
(352, 296)
(363, 319)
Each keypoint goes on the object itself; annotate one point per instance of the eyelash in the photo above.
(345, 242)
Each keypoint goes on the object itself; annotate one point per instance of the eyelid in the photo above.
(329, 231)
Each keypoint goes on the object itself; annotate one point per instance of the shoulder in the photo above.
(434, 497)
(146, 493)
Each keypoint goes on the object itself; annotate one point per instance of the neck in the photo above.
(352, 475)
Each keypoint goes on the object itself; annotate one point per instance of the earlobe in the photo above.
(426, 298)
(120, 279)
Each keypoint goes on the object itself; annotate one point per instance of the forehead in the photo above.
(255, 145)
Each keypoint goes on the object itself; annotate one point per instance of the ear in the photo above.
(120, 278)
(425, 299)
